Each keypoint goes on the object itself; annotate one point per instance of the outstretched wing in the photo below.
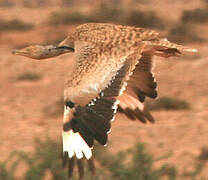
(91, 96)
(92, 121)
(95, 68)
(142, 84)
(93, 100)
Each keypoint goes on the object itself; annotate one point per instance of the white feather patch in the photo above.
(67, 113)
(74, 144)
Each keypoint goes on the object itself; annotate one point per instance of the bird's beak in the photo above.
(65, 48)
(26, 53)
(15, 51)
(42, 52)
(18, 52)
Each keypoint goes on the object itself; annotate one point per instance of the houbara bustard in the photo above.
(107, 57)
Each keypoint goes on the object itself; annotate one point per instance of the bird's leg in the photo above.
(40, 52)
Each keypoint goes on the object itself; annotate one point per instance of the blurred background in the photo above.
(31, 101)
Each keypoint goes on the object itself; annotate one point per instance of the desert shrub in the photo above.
(59, 18)
(200, 164)
(168, 103)
(69, 3)
(141, 1)
(46, 158)
(6, 3)
(183, 32)
(54, 110)
(205, 2)
(128, 17)
(195, 15)
(34, 4)
(5, 173)
(99, 15)
(144, 19)
(141, 166)
(29, 76)
(14, 24)
(108, 14)
(203, 156)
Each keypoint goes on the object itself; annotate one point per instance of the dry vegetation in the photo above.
(55, 109)
(45, 162)
(113, 166)
(34, 4)
(184, 30)
(108, 14)
(29, 76)
(15, 24)
(168, 103)
(195, 15)
(184, 33)
(6, 4)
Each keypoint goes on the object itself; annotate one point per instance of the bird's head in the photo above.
(42, 52)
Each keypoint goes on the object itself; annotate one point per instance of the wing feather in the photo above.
(91, 77)
(142, 84)
(92, 121)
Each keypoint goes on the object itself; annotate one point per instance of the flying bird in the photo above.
(107, 57)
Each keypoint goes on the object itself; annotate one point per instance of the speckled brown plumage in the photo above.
(101, 49)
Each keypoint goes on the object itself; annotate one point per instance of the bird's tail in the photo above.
(165, 48)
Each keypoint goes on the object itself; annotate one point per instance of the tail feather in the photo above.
(165, 48)
(80, 163)
(170, 45)
(91, 166)
(71, 165)
(65, 158)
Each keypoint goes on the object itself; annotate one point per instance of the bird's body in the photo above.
(108, 58)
